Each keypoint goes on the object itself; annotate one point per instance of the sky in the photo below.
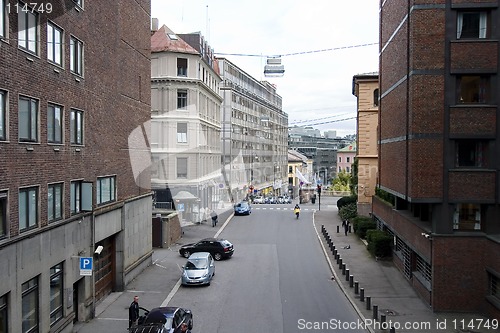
(317, 86)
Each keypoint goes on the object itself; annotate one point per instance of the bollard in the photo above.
(340, 263)
(323, 229)
(344, 266)
(368, 302)
(356, 287)
(375, 311)
(349, 228)
(338, 229)
(347, 274)
(335, 254)
(362, 294)
(382, 318)
(351, 281)
(392, 330)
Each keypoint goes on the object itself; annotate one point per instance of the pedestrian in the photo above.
(183, 328)
(133, 312)
(214, 216)
(346, 227)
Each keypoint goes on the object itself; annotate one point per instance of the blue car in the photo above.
(242, 208)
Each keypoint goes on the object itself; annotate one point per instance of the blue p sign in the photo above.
(86, 263)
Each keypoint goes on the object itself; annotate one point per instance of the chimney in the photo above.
(154, 25)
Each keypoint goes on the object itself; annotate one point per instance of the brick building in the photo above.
(74, 107)
(438, 149)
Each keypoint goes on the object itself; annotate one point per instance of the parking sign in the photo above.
(86, 265)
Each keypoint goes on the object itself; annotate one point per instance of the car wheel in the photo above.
(218, 256)
(186, 254)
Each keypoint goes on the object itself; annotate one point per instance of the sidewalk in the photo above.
(387, 288)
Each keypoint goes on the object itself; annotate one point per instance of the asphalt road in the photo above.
(277, 281)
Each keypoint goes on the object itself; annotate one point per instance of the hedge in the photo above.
(348, 211)
(346, 200)
(379, 243)
(363, 225)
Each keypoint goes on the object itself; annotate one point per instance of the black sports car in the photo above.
(219, 248)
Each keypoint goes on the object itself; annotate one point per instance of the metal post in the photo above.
(362, 294)
(382, 318)
(351, 281)
(344, 266)
(347, 274)
(392, 330)
(375, 311)
(356, 287)
(338, 229)
(368, 302)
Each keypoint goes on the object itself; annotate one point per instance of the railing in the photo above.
(162, 205)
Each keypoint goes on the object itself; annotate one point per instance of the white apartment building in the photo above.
(254, 134)
(185, 123)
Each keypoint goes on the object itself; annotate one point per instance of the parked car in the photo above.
(258, 199)
(242, 208)
(287, 199)
(219, 248)
(280, 200)
(199, 269)
(162, 320)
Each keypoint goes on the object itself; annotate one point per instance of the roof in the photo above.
(295, 156)
(350, 148)
(165, 40)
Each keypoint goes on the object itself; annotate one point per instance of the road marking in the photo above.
(172, 293)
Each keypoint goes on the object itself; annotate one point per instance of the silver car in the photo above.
(199, 269)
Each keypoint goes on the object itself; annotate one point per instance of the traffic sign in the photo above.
(86, 265)
(180, 207)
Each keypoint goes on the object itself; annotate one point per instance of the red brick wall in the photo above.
(393, 166)
(485, 55)
(426, 38)
(468, 186)
(465, 121)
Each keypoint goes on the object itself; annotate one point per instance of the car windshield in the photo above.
(196, 264)
(159, 318)
(225, 243)
(242, 205)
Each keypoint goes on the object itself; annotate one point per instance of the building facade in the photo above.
(439, 151)
(299, 166)
(254, 134)
(74, 104)
(185, 123)
(365, 88)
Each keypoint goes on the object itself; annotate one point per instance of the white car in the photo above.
(258, 200)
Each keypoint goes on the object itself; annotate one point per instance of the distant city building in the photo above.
(304, 131)
(75, 196)
(254, 134)
(345, 158)
(330, 134)
(185, 123)
(365, 88)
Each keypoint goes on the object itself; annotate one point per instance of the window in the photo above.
(28, 208)
(340, 159)
(30, 306)
(54, 44)
(4, 327)
(467, 217)
(56, 293)
(473, 89)
(54, 123)
(423, 271)
(76, 56)
(290, 169)
(3, 23)
(181, 99)
(494, 286)
(3, 114)
(106, 189)
(76, 197)
(181, 132)
(28, 34)
(375, 97)
(3, 214)
(347, 169)
(76, 127)
(182, 167)
(471, 153)
(79, 3)
(472, 24)
(28, 119)
(348, 159)
(182, 65)
(55, 202)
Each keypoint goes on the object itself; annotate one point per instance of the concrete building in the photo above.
(365, 88)
(439, 157)
(254, 134)
(185, 122)
(304, 130)
(74, 115)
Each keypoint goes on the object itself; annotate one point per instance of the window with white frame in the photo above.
(472, 24)
(76, 56)
(56, 293)
(181, 132)
(54, 123)
(348, 159)
(473, 89)
(54, 43)
(3, 19)
(106, 189)
(3, 214)
(340, 159)
(28, 119)
(467, 217)
(375, 97)
(182, 163)
(76, 126)
(55, 202)
(3, 115)
(182, 64)
(75, 197)
(29, 314)
(28, 33)
(28, 208)
(4, 314)
(182, 99)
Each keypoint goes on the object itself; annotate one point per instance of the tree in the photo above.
(342, 182)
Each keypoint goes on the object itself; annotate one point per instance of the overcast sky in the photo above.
(317, 86)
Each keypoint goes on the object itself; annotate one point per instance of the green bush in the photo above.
(356, 220)
(364, 225)
(346, 200)
(348, 211)
(379, 243)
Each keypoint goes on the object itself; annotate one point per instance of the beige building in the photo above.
(365, 88)
(300, 173)
(185, 122)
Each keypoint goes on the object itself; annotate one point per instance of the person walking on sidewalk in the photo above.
(214, 216)
(133, 312)
(346, 226)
